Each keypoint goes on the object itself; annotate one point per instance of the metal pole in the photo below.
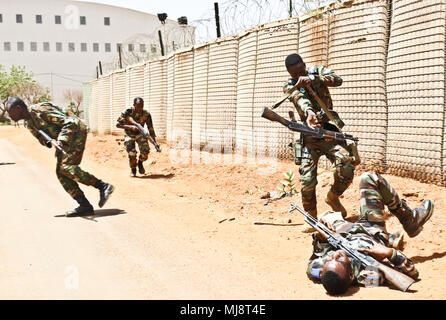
(120, 58)
(161, 42)
(100, 68)
(97, 72)
(217, 19)
(291, 8)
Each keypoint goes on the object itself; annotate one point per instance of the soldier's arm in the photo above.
(124, 122)
(328, 77)
(149, 123)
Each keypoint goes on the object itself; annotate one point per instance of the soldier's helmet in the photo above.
(13, 102)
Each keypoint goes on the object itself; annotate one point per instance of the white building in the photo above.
(62, 41)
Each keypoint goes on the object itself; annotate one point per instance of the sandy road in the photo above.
(168, 235)
(129, 251)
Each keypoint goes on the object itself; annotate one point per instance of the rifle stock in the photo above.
(147, 135)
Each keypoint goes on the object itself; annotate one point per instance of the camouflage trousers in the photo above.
(68, 171)
(376, 193)
(343, 170)
(130, 146)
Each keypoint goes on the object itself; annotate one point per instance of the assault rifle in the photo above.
(298, 127)
(48, 139)
(146, 133)
(398, 279)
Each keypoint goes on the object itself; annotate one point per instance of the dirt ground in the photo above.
(190, 230)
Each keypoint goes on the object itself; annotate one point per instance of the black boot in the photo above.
(413, 219)
(141, 168)
(133, 170)
(105, 190)
(85, 208)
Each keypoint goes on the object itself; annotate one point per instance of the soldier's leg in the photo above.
(377, 192)
(343, 176)
(70, 169)
(144, 151)
(129, 144)
(308, 179)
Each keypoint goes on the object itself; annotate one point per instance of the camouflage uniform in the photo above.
(72, 132)
(313, 148)
(370, 229)
(133, 136)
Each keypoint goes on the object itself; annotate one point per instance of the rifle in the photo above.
(48, 139)
(298, 127)
(398, 279)
(146, 133)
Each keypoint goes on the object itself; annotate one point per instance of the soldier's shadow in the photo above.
(157, 176)
(101, 213)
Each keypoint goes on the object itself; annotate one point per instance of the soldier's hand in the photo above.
(303, 81)
(312, 120)
(378, 251)
(59, 143)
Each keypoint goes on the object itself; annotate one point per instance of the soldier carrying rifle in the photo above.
(308, 90)
(68, 133)
(133, 120)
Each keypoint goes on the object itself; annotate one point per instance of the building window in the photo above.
(33, 46)
(153, 48)
(18, 18)
(107, 21)
(83, 20)
(96, 47)
(1, 18)
(130, 47)
(20, 46)
(71, 46)
(7, 46)
(142, 47)
(46, 46)
(83, 47)
(59, 46)
(58, 19)
(107, 47)
(39, 19)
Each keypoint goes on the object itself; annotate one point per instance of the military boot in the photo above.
(413, 220)
(333, 201)
(85, 208)
(105, 190)
(133, 172)
(141, 168)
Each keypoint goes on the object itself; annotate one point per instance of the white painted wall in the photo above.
(61, 70)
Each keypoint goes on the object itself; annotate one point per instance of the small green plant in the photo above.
(287, 187)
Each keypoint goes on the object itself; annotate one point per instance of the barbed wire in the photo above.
(239, 15)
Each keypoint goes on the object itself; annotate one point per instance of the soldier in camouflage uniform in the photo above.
(71, 135)
(309, 149)
(335, 269)
(125, 121)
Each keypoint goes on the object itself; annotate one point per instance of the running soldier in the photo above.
(71, 135)
(309, 149)
(335, 269)
(133, 135)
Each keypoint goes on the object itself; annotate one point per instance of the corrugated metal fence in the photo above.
(390, 54)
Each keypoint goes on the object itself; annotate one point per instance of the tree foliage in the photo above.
(17, 82)
(74, 99)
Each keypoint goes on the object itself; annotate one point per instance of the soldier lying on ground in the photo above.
(71, 135)
(125, 121)
(309, 149)
(335, 269)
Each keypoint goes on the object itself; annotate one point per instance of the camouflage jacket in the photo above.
(53, 121)
(363, 236)
(141, 118)
(321, 79)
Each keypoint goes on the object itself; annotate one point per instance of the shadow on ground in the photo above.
(97, 214)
